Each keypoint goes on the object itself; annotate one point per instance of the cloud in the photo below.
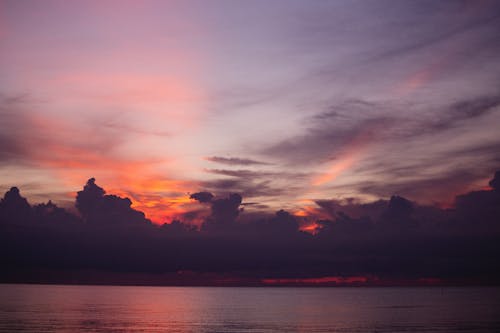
(224, 213)
(100, 209)
(63, 149)
(399, 211)
(257, 175)
(320, 143)
(259, 184)
(495, 182)
(376, 122)
(352, 208)
(203, 197)
(416, 186)
(457, 114)
(63, 142)
(361, 146)
(481, 207)
(455, 27)
(234, 161)
(367, 99)
(249, 188)
(395, 239)
(240, 173)
(14, 207)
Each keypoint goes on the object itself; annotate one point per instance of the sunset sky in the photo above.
(286, 102)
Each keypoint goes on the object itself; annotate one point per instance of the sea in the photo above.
(76, 308)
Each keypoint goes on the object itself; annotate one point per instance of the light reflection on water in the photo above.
(47, 308)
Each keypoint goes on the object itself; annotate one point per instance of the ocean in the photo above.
(72, 308)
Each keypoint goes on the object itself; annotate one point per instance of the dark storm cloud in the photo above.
(100, 209)
(234, 161)
(224, 213)
(394, 239)
(202, 197)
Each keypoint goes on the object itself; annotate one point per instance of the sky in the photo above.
(287, 103)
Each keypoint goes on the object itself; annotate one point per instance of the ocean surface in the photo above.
(60, 308)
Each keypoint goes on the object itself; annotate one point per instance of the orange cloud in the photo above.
(345, 162)
(311, 227)
(351, 153)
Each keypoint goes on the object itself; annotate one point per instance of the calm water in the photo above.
(43, 308)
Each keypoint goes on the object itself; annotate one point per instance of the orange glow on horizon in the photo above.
(74, 153)
(160, 199)
(158, 208)
(318, 281)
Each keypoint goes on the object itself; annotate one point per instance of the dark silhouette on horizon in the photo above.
(394, 240)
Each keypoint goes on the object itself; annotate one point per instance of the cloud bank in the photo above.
(383, 241)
